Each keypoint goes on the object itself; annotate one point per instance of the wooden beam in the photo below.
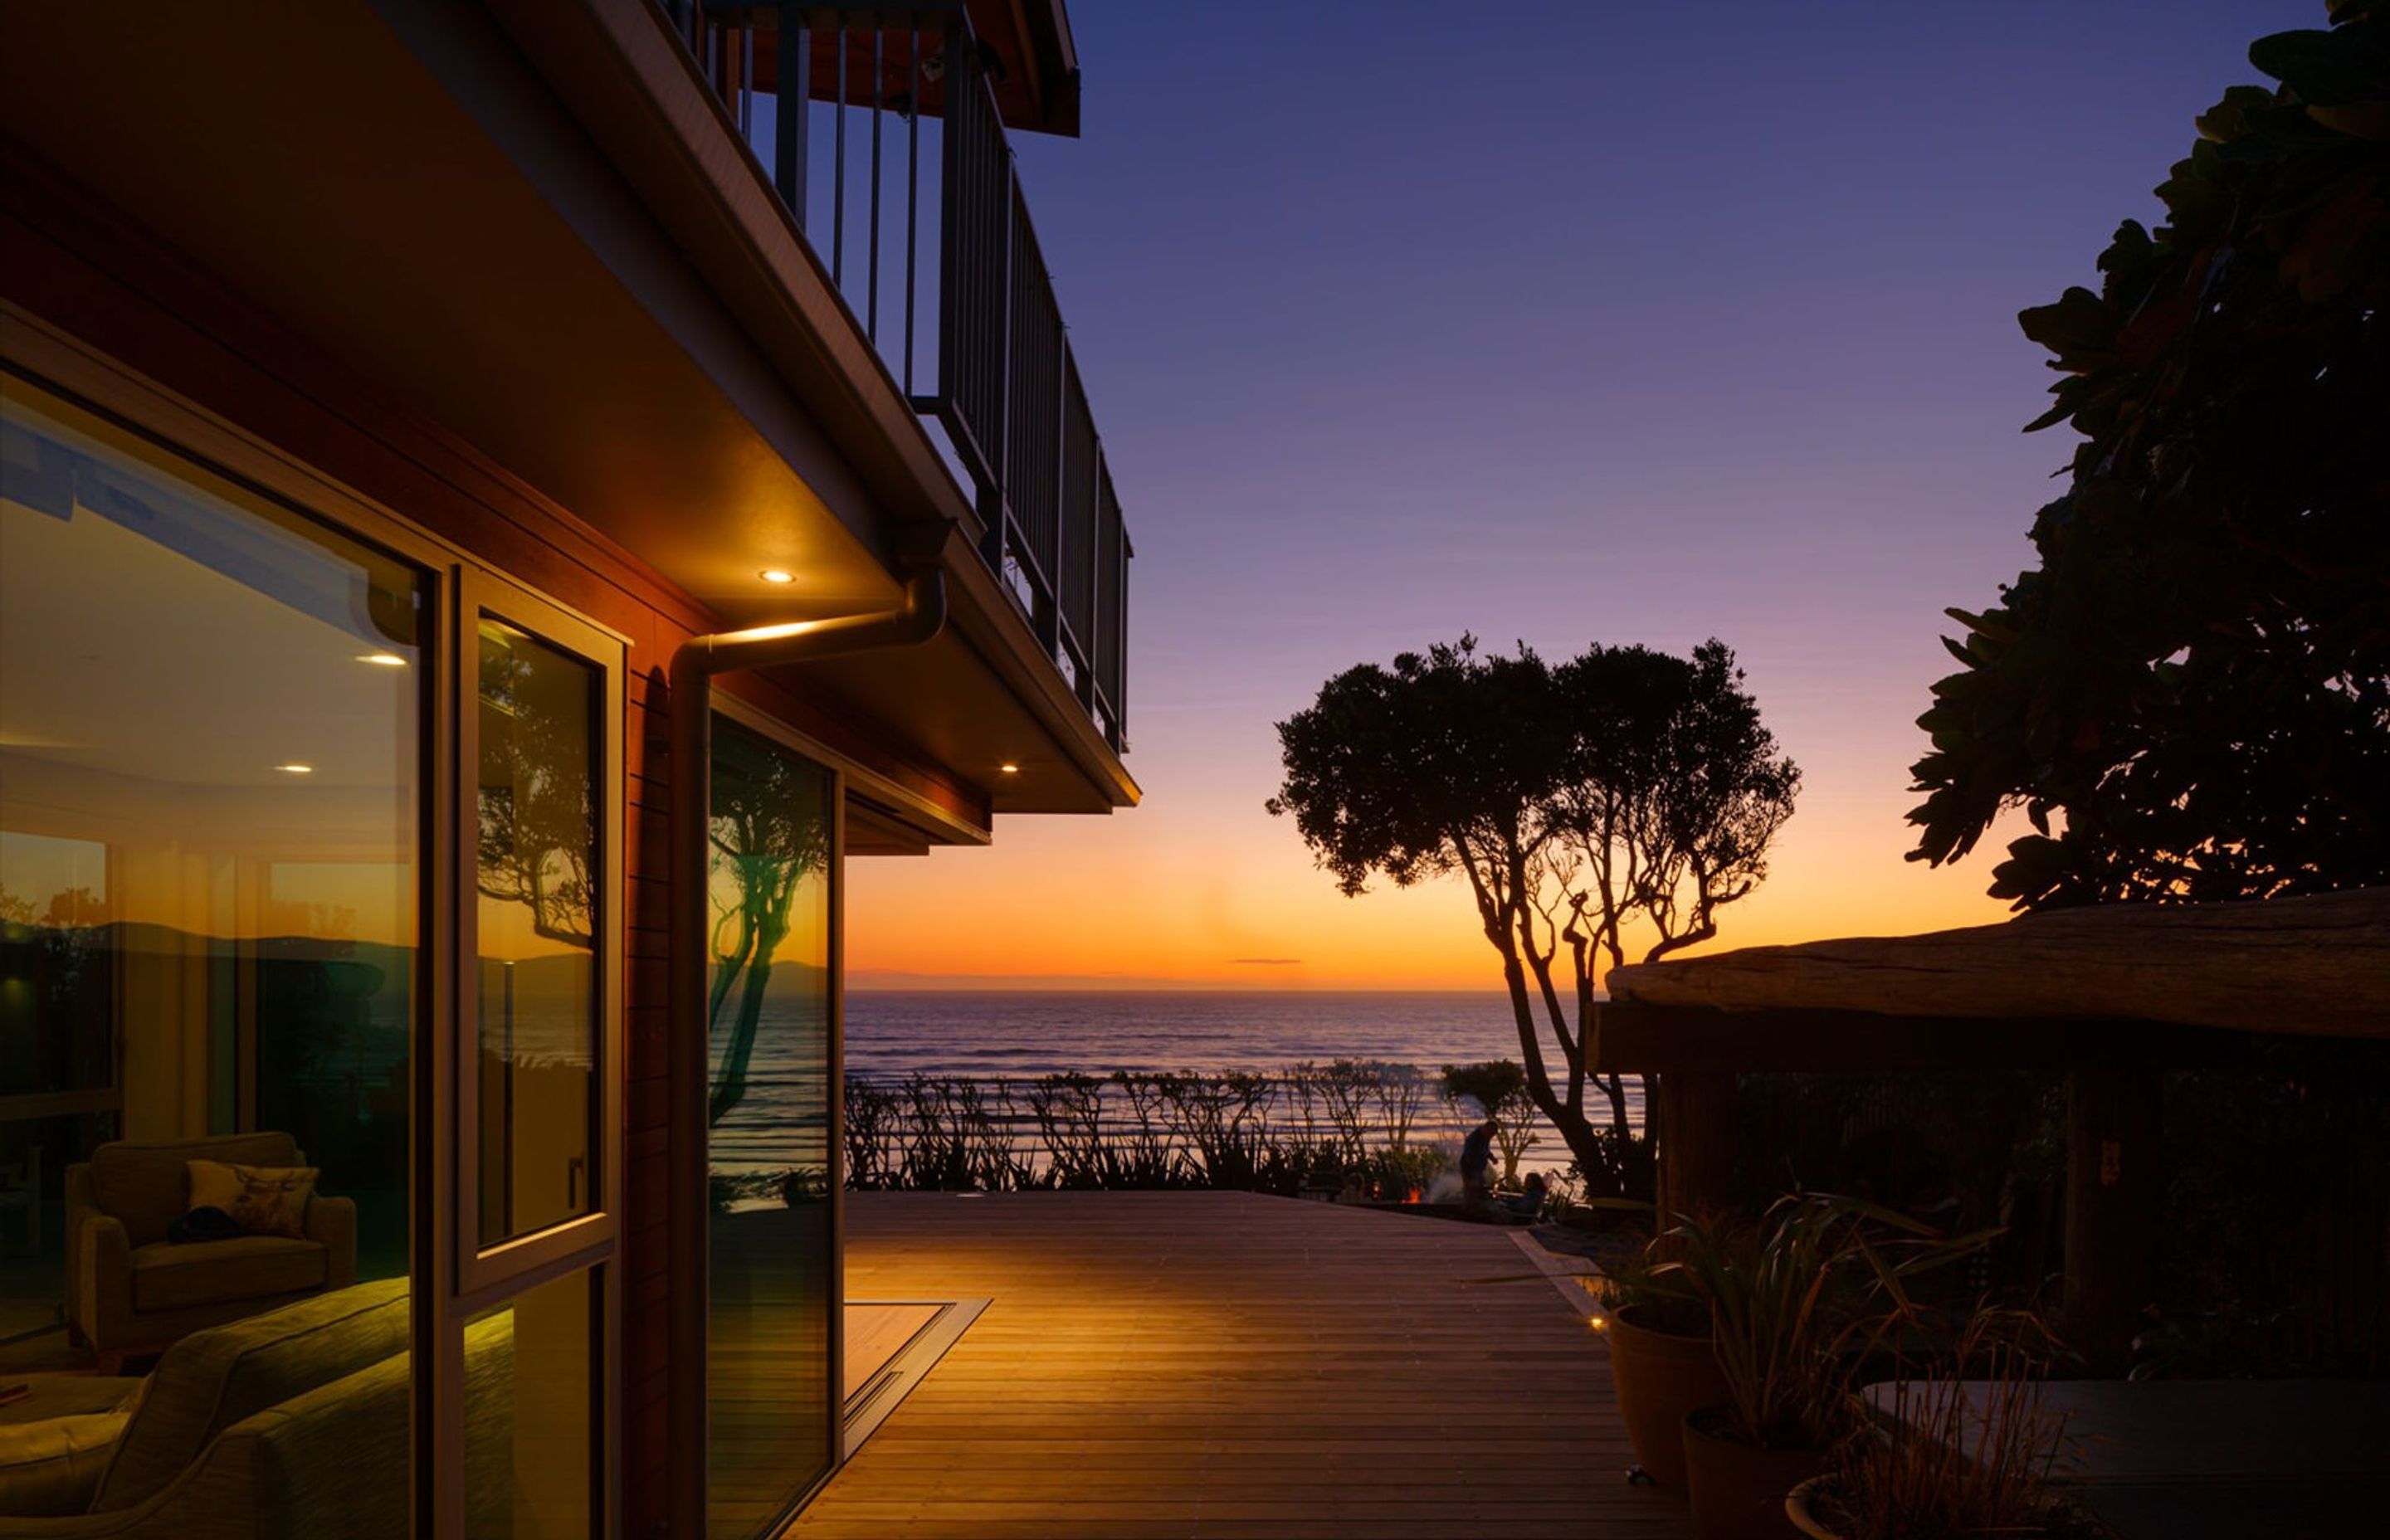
(1640, 1038)
(2317, 965)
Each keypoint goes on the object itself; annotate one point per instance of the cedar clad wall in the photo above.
(76, 267)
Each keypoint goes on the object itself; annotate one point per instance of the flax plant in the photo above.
(1792, 1295)
(1964, 1447)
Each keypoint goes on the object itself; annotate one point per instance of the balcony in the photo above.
(894, 163)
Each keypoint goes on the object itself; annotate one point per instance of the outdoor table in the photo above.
(2223, 1459)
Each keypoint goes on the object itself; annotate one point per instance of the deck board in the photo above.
(875, 1333)
(1203, 1365)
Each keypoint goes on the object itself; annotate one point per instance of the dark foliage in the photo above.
(1345, 1126)
(2276, 1255)
(2196, 677)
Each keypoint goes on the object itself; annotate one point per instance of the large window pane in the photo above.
(536, 866)
(531, 1414)
(769, 1396)
(209, 821)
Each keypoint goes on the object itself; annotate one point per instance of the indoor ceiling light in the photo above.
(296, 769)
(382, 660)
(774, 574)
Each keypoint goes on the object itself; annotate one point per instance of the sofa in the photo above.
(131, 1290)
(285, 1426)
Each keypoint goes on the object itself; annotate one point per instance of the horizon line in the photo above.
(864, 980)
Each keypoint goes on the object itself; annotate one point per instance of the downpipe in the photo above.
(917, 619)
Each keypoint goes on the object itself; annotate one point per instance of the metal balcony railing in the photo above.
(878, 127)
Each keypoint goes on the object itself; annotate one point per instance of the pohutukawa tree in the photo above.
(1620, 799)
(2190, 694)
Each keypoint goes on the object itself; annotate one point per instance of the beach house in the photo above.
(501, 501)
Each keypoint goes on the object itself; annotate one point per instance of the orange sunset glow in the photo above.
(1200, 888)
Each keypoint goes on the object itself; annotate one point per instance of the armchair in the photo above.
(130, 1290)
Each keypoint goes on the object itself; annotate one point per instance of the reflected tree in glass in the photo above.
(537, 824)
(771, 1393)
(768, 836)
(537, 853)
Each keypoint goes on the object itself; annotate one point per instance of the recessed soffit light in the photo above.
(776, 574)
(294, 769)
(382, 660)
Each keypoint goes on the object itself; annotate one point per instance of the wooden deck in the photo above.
(1222, 1364)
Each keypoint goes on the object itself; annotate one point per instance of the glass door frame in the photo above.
(837, 767)
(484, 1270)
(49, 361)
(450, 1277)
(465, 1279)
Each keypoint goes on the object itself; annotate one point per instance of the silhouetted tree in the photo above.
(1624, 789)
(2195, 680)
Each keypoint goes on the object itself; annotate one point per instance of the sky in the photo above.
(1582, 322)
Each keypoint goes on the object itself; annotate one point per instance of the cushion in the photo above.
(213, 1379)
(147, 1184)
(67, 1394)
(167, 1276)
(261, 1200)
(51, 1466)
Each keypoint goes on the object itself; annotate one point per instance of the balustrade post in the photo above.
(794, 59)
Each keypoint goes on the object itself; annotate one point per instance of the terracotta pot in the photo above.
(1738, 1489)
(1659, 1376)
(1799, 1506)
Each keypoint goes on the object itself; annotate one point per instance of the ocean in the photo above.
(890, 1034)
(1020, 1035)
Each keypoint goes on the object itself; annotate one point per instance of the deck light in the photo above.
(382, 660)
(774, 574)
(296, 769)
(1596, 1322)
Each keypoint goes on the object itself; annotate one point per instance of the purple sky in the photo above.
(1637, 323)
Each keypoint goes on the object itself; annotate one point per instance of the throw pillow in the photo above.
(261, 1200)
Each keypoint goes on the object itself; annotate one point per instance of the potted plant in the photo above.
(1787, 1298)
(1956, 1445)
(1661, 1359)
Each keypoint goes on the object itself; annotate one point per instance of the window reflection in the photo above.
(208, 900)
(536, 852)
(768, 1314)
(531, 1414)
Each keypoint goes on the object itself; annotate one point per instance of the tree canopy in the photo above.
(1623, 793)
(2190, 694)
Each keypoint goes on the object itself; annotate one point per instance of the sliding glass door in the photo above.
(213, 819)
(773, 1401)
(311, 949)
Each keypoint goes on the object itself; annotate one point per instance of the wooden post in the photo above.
(1695, 1126)
(2113, 1197)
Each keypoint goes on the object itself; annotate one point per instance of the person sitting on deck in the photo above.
(1476, 1155)
(1529, 1201)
